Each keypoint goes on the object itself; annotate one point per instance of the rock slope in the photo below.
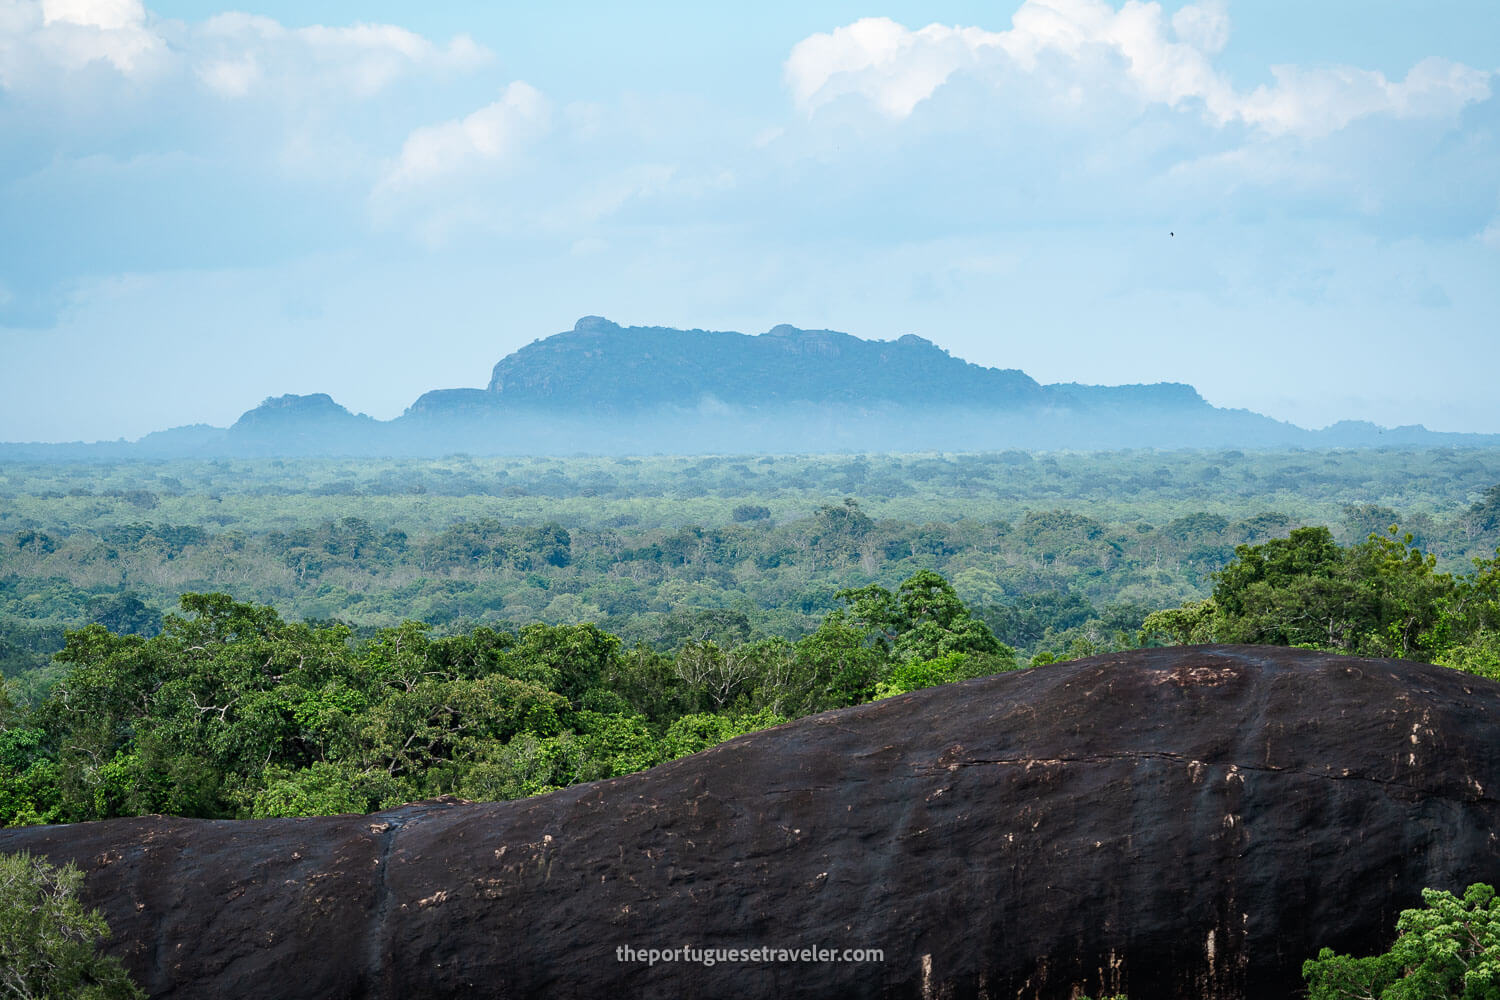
(1179, 823)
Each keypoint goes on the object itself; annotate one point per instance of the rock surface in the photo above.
(1182, 823)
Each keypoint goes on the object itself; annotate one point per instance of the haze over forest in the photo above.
(605, 389)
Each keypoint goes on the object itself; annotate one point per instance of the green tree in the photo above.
(48, 941)
(923, 620)
(1413, 605)
(572, 658)
(1291, 591)
(1450, 949)
(323, 789)
(1191, 624)
(834, 666)
(716, 676)
(916, 674)
(692, 733)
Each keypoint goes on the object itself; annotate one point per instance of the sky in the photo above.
(1292, 206)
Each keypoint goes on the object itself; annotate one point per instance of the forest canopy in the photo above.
(230, 710)
(1057, 552)
(497, 628)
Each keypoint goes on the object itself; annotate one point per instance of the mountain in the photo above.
(625, 369)
(302, 425)
(607, 389)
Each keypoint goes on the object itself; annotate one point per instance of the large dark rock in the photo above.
(1181, 823)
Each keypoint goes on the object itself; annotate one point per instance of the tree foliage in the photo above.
(1448, 949)
(1380, 597)
(1046, 548)
(229, 710)
(48, 941)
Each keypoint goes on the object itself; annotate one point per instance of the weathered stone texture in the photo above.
(1180, 823)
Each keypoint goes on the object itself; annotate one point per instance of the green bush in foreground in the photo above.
(1451, 949)
(48, 941)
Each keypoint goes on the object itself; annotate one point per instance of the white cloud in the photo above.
(1320, 101)
(487, 138)
(231, 77)
(1082, 47)
(45, 42)
(361, 59)
(110, 15)
(518, 168)
(42, 36)
(1204, 26)
(891, 66)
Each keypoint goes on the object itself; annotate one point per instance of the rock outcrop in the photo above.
(1179, 823)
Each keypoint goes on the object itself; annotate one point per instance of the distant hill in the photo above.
(628, 369)
(622, 369)
(603, 388)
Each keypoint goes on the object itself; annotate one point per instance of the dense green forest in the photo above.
(231, 711)
(1057, 552)
(629, 627)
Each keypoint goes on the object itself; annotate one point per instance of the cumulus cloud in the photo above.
(1078, 47)
(488, 137)
(44, 42)
(233, 76)
(38, 36)
(882, 61)
(234, 53)
(205, 140)
(498, 171)
(1320, 101)
(78, 32)
(1204, 26)
(520, 168)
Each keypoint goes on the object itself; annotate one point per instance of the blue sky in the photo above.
(201, 206)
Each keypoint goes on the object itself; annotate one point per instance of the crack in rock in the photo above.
(1234, 768)
(376, 952)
